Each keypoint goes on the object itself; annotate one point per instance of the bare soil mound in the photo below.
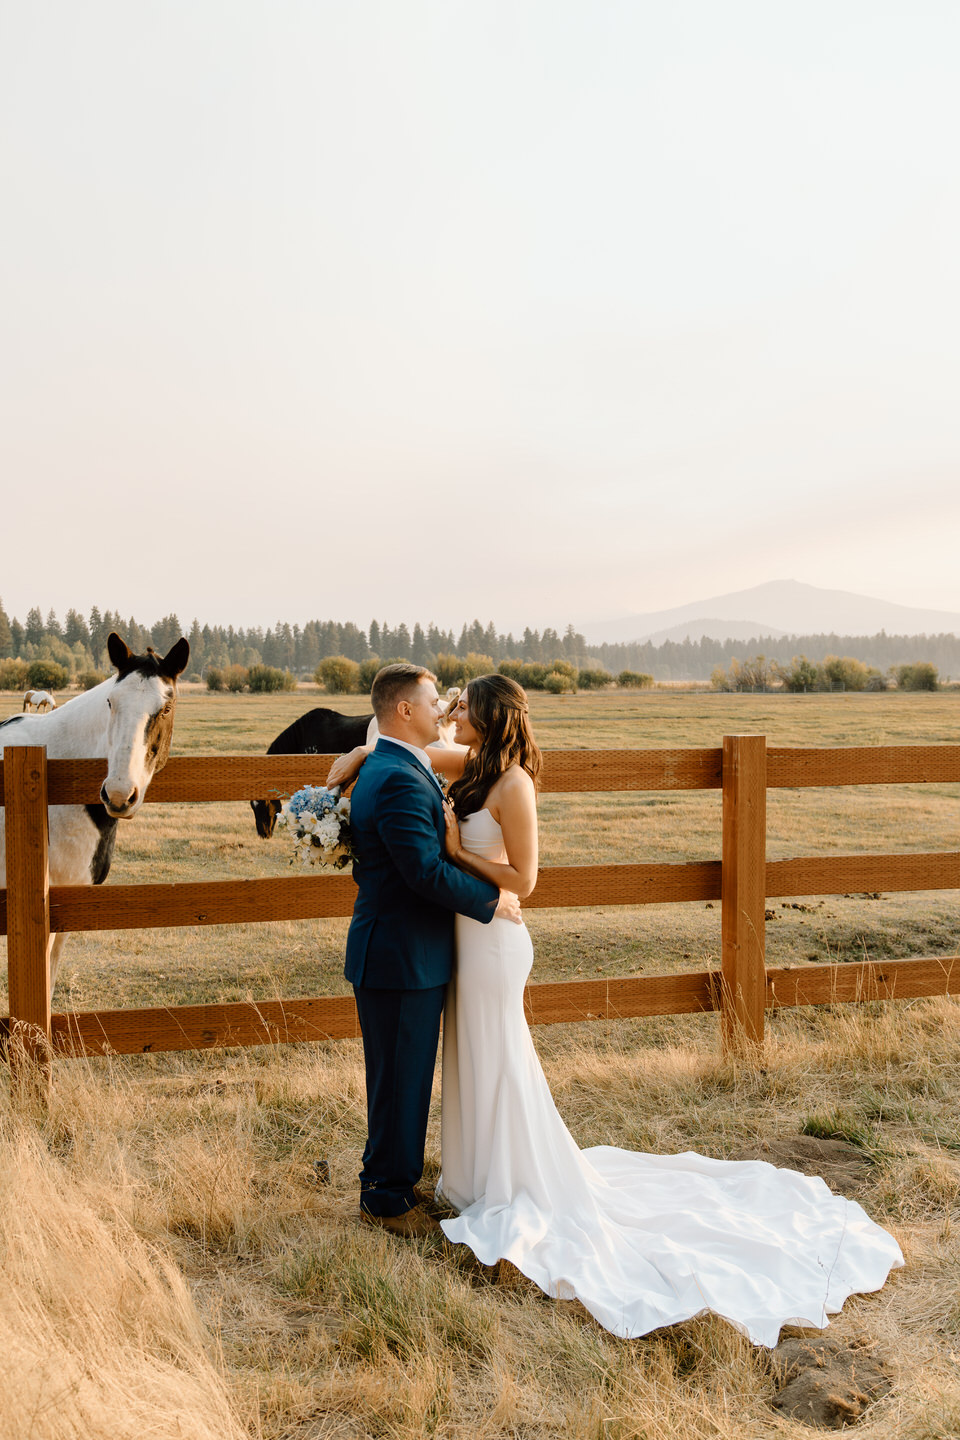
(828, 1383)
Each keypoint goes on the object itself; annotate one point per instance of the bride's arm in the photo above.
(517, 804)
(346, 768)
(446, 761)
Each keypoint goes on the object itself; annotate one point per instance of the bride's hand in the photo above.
(346, 768)
(452, 838)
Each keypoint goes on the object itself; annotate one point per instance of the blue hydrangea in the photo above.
(315, 798)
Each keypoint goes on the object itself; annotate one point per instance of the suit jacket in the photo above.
(401, 936)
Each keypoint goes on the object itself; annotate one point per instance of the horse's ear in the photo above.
(175, 661)
(119, 651)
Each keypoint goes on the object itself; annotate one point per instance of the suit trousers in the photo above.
(401, 1031)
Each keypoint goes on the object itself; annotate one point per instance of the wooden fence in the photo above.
(744, 768)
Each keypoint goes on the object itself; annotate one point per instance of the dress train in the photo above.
(641, 1240)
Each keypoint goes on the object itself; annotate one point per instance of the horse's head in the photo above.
(447, 724)
(142, 700)
(265, 813)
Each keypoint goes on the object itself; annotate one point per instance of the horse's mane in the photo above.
(149, 665)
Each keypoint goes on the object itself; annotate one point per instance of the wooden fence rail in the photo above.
(743, 769)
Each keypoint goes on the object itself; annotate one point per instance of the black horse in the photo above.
(319, 732)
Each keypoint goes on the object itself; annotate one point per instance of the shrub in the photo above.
(338, 675)
(268, 680)
(593, 679)
(13, 675)
(844, 672)
(753, 674)
(449, 670)
(558, 683)
(563, 667)
(90, 679)
(47, 675)
(635, 680)
(513, 669)
(921, 676)
(368, 672)
(800, 675)
(475, 664)
(215, 680)
(532, 675)
(235, 678)
(457, 669)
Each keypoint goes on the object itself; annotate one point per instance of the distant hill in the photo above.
(779, 607)
(714, 630)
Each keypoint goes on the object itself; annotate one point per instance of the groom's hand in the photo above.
(508, 908)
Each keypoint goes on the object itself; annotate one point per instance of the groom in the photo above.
(400, 946)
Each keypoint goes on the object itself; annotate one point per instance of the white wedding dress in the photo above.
(641, 1240)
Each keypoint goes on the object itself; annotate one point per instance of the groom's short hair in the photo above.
(396, 682)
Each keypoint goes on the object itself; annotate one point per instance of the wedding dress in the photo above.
(641, 1240)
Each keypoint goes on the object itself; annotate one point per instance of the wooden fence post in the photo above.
(743, 894)
(28, 897)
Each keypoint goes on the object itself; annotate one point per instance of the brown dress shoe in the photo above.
(413, 1224)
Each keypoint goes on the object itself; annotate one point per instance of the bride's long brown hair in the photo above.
(498, 711)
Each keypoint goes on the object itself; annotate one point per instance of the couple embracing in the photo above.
(641, 1240)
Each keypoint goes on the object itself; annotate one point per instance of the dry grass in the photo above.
(298, 1323)
(173, 1267)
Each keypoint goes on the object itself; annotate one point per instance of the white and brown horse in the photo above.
(128, 721)
(39, 700)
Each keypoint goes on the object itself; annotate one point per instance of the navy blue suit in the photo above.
(400, 954)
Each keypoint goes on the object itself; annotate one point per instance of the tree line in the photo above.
(77, 645)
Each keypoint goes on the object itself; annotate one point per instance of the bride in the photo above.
(640, 1240)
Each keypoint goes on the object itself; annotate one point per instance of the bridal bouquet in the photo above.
(319, 821)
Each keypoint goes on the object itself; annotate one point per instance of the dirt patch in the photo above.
(828, 1383)
(845, 1168)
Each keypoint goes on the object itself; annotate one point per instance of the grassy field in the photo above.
(168, 843)
(237, 1296)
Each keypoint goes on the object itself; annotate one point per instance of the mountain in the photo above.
(716, 629)
(778, 607)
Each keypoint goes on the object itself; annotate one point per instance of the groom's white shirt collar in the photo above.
(421, 755)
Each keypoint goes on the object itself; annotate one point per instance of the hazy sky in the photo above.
(534, 310)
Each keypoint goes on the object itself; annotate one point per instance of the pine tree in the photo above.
(373, 638)
(197, 646)
(33, 629)
(53, 626)
(75, 629)
(532, 648)
(134, 634)
(310, 655)
(164, 633)
(353, 643)
(419, 650)
(6, 635)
